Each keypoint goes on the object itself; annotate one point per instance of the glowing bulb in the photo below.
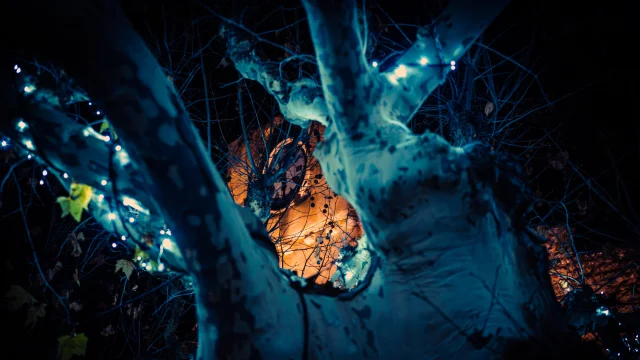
(148, 267)
(65, 175)
(118, 147)
(112, 216)
(453, 63)
(22, 125)
(29, 144)
(123, 238)
(103, 182)
(143, 264)
(101, 197)
(107, 138)
(139, 258)
(29, 156)
(29, 89)
(374, 64)
(348, 275)
(161, 232)
(4, 143)
(113, 245)
(160, 267)
(15, 67)
(423, 61)
(97, 112)
(44, 172)
(41, 182)
(168, 232)
(166, 243)
(18, 70)
(453, 67)
(400, 71)
(131, 219)
(89, 103)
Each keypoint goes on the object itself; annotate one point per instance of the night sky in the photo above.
(584, 55)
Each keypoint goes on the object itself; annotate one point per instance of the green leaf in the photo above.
(64, 205)
(78, 200)
(70, 345)
(18, 297)
(104, 126)
(125, 266)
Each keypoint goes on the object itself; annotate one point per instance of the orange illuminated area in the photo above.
(307, 221)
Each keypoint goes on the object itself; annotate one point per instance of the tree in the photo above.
(458, 264)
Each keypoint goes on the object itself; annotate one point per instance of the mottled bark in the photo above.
(457, 275)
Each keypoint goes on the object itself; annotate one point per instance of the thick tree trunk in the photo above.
(457, 275)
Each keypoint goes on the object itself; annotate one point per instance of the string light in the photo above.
(160, 267)
(131, 219)
(139, 258)
(118, 147)
(29, 157)
(424, 61)
(453, 67)
(29, 88)
(97, 112)
(112, 216)
(103, 182)
(22, 125)
(101, 197)
(143, 264)
(374, 64)
(113, 245)
(168, 232)
(44, 172)
(29, 144)
(89, 103)
(3, 143)
(41, 182)
(161, 232)
(65, 175)
(148, 267)
(400, 71)
(123, 238)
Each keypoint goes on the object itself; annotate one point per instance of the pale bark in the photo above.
(457, 274)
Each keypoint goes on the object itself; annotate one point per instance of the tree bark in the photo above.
(456, 275)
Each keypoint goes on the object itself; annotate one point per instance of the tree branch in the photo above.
(235, 281)
(424, 66)
(300, 101)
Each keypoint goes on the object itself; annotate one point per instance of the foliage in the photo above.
(77, 201)
(70, 345)
(125, 266)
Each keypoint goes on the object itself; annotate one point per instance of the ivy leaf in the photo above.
(125, 266)
(70, 345)
(18, 297)
(64, 205)
(33, 313)
(105, 126)
(78, 200)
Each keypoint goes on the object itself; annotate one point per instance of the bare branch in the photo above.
(424, 66)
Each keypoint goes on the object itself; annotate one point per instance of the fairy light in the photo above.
(144, 264)
(41, 182)
(123, 238)
(29, 157)
(103, 182)
(107, 138)
(45, 172)
(22, 125)
(139, 258)
(112, 216)
(400, 71)
(374, 64)
(424, 61)
(148, 267)
(4, 143)
(101, 197)
(118, 147)
(98, 112)
(113, 245)
(29, 88)
(65, 175)
(167, 244)
(161, 232)
(131, 219)
(29, 144)
(453, 67)
(160, 267)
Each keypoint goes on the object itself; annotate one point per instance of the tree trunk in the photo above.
(457, 275)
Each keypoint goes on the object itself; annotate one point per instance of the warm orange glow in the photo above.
(310, 231)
